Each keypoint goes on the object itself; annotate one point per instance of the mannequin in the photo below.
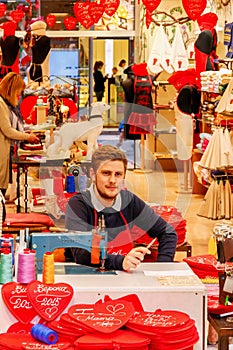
(205, 45)
(186, 107)
(39, 69)
(10, 49)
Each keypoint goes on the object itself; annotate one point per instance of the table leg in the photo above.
(18, 189)
(26, 188)
(223, 343)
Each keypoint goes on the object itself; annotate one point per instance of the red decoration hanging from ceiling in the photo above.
(151, 5)
(51, 20)
(81, 12)
(17, 15)
(2, 9)
(95, 11)
(110, 6)
(70, 22)
(194, 8)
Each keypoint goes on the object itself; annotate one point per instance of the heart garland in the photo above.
(151, 5)
(51, 20)
(81, 12)
(16, 300)
(49, 300)
(95, 11)
(17, 15)
(105, 317)
(194, 8)
(2, 9)
(70, 22)
(110, 6)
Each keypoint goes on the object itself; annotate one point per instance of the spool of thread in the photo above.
(48, 268)
(6, 267)
(70, 183)
(26, 267)
(82, 182)
(44, 334)
(8, 239)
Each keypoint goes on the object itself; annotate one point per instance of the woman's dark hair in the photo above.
(97, 65)
(122, 62)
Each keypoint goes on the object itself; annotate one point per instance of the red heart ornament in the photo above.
(51, 20)
(194, 8)
(2, 9)
(81, 11)
(38, 346)
(110, 6)
(96, 11)
(106, 317)
(160, 319)
(49, 300)
(16, 299)
(20, 328)
(151, 5)
(17, 15)
(70, 22)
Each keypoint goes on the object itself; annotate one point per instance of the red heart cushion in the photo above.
(21, 328)
(121, 339)
(106, 317)
(16, 299)
(49, 300)
(159, 320)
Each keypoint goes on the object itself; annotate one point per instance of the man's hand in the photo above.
(134, 258)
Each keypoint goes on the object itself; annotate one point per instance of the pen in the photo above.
(151, 243)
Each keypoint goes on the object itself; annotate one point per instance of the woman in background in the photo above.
(11, 124)
(99, 80)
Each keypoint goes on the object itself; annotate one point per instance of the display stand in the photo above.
(187, 186)
(142, 169)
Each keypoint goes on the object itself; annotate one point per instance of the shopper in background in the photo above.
(122, 75)
(122, 211)
(99, 80)
(11, 124)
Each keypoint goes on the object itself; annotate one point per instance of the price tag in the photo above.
(228, 285)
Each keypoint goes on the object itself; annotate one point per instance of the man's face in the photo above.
(109, 179)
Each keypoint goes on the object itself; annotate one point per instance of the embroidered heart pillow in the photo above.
(106, 317)
(16, 299)
(49, 300)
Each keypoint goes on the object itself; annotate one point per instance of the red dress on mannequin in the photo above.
(205, 45)
(10, 49)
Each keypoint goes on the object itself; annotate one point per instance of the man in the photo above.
(123, 212)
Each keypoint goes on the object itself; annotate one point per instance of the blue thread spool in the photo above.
(82, 182)
(70, 183)
(44, 334)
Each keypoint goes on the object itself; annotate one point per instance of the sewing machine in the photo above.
(49, 241)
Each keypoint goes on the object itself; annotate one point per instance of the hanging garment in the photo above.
(40, 57)
(227, 199)
(226, 101)
(211, 157)
(179, 57)
(161, 53)
(142, 118)
(184, 134)
(156, 53)
(204, 52)
(228, 39)
(208, 206)
(226, 149)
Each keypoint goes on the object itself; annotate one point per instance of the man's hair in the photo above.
(108, 153)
